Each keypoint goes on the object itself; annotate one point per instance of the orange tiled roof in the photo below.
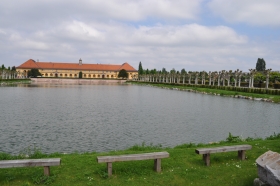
(74, 66)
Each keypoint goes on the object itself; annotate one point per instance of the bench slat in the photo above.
(223, 149)
(130, 157)
(29, 163)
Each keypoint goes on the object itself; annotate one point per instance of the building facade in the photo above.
(72, 70)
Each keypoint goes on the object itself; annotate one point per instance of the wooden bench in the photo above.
(157, 156)
(46, 163)
(207, 151)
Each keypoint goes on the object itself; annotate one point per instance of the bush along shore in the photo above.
(183, 167)
(235, 92)
(14, 81)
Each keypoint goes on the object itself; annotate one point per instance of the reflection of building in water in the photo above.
(72, 70)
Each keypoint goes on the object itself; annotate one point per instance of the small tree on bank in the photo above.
(260, 66)
(33, 73)
(140, 69)
(123, 74)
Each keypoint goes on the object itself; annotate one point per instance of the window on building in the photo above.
(89, 75)
(107, 76)
(70, 75)
(60, 75)
(85, 75)
(46, 74)
(65, 75)
(98, 76)
(94, 75)
(75, 75)
(112, 76)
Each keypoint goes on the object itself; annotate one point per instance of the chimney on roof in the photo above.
(80, 61)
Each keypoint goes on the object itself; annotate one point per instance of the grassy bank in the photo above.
(183, 167)
(14, 81)
(220, 92)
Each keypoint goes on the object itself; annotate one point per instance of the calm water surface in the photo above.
(86, 118)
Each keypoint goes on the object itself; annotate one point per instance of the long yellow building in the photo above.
(72, 70)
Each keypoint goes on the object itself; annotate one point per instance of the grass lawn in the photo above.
(183, 167)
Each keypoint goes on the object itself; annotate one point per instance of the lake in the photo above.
(86, 118)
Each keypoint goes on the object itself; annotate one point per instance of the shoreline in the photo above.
(216, 92)
(77, 81)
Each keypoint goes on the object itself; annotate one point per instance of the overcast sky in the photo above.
(192, 34)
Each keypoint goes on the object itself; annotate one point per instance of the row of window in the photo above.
(75, 75)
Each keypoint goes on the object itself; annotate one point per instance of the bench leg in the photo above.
(241, 154)
(47, 171)
(157, 165)
(206, 159)
(109, 167)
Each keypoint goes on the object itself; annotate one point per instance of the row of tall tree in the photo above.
(260, 73)
(7, 73)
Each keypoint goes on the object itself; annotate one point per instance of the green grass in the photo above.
(12, 81)
(274, 98)
(183, 167)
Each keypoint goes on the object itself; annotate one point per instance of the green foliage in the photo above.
(13, 68)
(163, 71)
(5, 156)
(274, 77)
(273, 137)
(233, 139)
(80, 75)
(186, 145)
(42, 179)
(33, 73)
(147, 71)
(31, 152)
(259, 77)
(144, 147)
(260, 66)
(140, 69)
(183, 71)
(123, 73)
(173, 71)
(153, 71)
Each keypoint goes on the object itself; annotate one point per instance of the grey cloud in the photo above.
(252, 12)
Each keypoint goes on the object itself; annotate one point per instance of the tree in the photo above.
(259, 77)
(140, 69)
(173, 71)
(33, 73)
(13, 68)
(260, 66)
(80, 75)
(183, 71)
(274, 77)
(123, 73)
(147, 71)
(163, 71)
(153, 71)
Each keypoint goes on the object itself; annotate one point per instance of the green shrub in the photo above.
(274, 136)
(233, 139)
